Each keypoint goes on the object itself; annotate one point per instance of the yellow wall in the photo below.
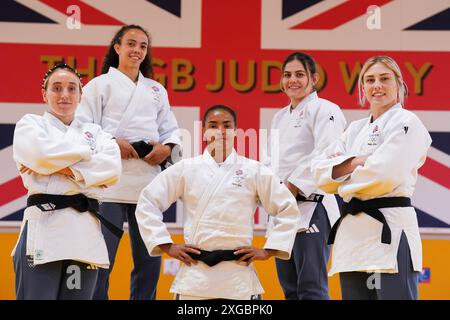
(436, 257)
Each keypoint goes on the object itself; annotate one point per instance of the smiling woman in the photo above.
(135, 110)
(373, 167)
(381, 84)
(305, 127)
(129, 50)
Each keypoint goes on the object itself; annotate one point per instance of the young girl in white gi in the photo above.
(373, 167)
(136, 111)
(65, 165)
(220, 191)
(299, 132)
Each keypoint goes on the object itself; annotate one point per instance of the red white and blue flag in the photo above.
(208, 52)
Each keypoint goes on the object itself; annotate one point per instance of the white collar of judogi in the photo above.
(231, 159)
(312, 96)
(123, 78)
(386, 114)
(58, 123)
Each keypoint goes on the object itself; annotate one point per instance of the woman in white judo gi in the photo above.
(126, 103)
(220, 191)
(373, 167)
(65, 165)
(299, 132)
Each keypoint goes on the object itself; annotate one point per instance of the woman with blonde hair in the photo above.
(373, 167)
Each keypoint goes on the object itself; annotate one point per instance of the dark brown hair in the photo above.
(112, 58)
(220, 107)
(56, 67)
(306, 60)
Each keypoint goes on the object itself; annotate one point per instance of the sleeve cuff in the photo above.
(339, 160)
(343, 178)
(171, 140)
(279, 253)
(77, 176)
(306, 186)
(155, 250)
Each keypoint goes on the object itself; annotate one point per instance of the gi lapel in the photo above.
(140, 97)
(62, 131)
(216, 182)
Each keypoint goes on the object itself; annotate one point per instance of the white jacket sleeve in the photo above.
(322, 165)
(402, 152)
(164, 190)
(36, 149)
(327, 125)
(167, 123)
(105, 166)
(278, 202)
(90, 108)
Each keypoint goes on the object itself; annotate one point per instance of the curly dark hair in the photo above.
(112, 58)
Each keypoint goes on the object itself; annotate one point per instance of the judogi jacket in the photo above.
(133, 112)
(396, 144)
(297, 136)
(219, 203)
(46, 145)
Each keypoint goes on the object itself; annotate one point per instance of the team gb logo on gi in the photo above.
(156, 94)
(238, 178)
(374, 136)
(90, 140)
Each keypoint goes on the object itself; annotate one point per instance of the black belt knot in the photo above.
(83, 203)
(371, 208)
(142, 148)
(211, 258)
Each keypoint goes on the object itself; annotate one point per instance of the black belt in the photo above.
(79, 202)
(211, 258)
(142, 148)
(371, 207)
(312, 198)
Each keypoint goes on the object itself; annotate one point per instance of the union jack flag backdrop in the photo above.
(209, 51)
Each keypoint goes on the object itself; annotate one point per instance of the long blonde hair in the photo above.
(393, 66)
